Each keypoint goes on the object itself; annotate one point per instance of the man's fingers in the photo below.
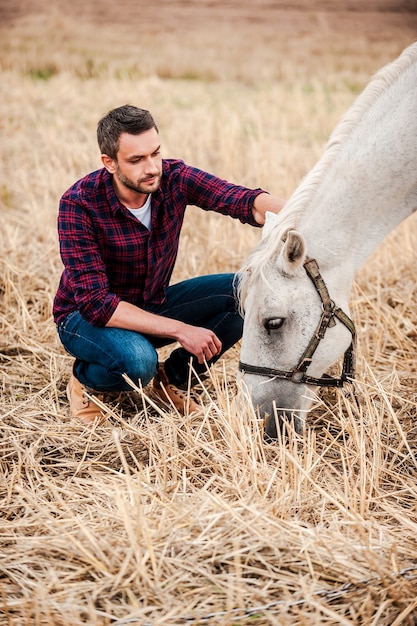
(210, 351)
(213, 349)
(218, 344)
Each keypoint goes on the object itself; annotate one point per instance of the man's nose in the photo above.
(152, 165)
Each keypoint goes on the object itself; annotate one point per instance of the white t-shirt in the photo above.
(143, 214)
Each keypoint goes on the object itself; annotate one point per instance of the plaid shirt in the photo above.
(109, 256)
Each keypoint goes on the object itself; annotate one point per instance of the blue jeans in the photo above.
(103, 355)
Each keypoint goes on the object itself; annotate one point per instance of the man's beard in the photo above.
(139, 187)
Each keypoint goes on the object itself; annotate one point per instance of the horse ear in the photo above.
(270, 221)
(293, 253)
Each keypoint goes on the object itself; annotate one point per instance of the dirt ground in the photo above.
(373, 18)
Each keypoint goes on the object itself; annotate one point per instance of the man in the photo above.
(119, 231)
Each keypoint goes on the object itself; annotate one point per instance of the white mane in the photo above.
(289, 218)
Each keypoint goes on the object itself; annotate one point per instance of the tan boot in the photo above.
(82, 408)
(169, 393)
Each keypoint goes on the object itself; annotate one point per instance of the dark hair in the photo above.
(124, 119)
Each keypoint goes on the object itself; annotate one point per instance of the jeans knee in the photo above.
(140, 365)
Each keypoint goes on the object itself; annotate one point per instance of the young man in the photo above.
(119, 230)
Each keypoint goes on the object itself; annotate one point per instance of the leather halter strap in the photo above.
(328, 319)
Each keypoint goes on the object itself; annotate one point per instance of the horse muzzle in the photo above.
(280, 404)
(278, 423)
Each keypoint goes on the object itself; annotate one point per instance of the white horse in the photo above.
(294, 288)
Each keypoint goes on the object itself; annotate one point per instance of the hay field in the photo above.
(153, 518)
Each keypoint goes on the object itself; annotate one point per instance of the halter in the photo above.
(327, 320)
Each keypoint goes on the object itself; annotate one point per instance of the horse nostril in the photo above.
(272, 426)
(277, 427)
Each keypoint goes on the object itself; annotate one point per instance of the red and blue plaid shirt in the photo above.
(109, 256)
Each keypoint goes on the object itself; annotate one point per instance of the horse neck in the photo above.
(366, 182)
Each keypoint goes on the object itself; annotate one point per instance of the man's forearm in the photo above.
(131, 317)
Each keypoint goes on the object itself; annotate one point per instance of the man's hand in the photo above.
(263, 203)
(201, 342)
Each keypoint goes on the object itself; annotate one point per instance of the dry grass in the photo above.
(154, 518)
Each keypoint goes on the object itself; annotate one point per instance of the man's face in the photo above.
(139, 163)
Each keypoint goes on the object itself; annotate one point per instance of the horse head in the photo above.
(293, 329)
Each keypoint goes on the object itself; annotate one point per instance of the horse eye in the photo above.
(273, 324)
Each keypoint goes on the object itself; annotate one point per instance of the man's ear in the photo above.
(108, 163)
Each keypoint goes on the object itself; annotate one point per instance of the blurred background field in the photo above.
(153, 518)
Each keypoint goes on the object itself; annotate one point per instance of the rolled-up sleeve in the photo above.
(215, 194)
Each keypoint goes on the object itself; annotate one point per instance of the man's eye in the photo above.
(273, 324)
